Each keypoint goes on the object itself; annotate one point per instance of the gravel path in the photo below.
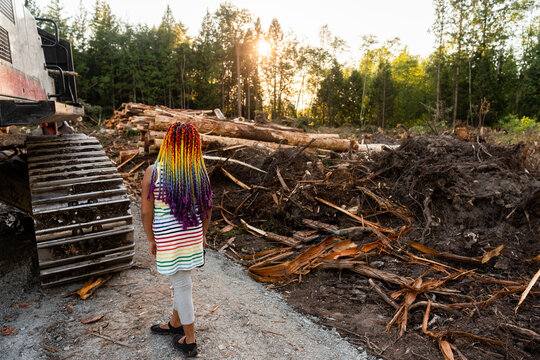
(236, 318)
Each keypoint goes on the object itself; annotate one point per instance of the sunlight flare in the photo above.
(263, 48)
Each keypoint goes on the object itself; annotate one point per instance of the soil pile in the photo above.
(466, 196)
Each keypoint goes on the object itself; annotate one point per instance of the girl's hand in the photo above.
(153, 248)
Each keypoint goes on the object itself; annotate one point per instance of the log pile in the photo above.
(153, 122)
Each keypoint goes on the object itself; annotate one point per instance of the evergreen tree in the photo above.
(487, 51)
(55, 11)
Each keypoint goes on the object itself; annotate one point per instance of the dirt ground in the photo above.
(237, 318)
(460, 200)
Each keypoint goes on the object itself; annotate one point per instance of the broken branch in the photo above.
(117, 342)
(382, 294)
(225, 160)
(528, 289)
(236, 181)
(128, 160)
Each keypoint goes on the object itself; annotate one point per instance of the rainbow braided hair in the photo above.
(183, 180)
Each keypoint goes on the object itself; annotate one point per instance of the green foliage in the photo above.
(93, 111)
(517, 129)
(418, 129)
(276, 224)
(54, 11)
(235, 232)
(33, 8)
(486, 51)
(530, 78)
(514, 123)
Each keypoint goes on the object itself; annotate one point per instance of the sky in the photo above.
(409, 20)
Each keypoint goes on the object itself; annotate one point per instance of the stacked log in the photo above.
(153, 122)
(138, 116)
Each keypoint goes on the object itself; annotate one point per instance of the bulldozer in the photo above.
(65, 181)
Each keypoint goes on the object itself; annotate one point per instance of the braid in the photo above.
(183, 181)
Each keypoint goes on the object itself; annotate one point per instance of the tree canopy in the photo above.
(486, 52)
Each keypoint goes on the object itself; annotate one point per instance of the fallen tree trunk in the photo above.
(251, 132)
(156, 138)
(227, 141)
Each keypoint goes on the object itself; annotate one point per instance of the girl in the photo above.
(176, 211)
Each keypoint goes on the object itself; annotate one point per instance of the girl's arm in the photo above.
(205, 224)
(147, 210)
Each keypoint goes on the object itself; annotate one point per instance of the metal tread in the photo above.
(48, 264)
(41, 138)
(105, 170)
(93, 235)
(36, 145)
(67, 162)
(87, 275)
(82, 206)
(74, 180)
(49, 170)
(66, 149)
(87, 195)
(71, 187)
(83, 264)
(84, 225)
(47, 158)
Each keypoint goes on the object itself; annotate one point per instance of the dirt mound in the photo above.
(266, 205)
(464, 194)
(466, 183)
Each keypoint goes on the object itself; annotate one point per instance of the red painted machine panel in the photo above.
(15, 84)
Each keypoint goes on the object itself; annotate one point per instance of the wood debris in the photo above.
(127, 160)
(458, 258)
(528, 289)
(114, 341)
(6, 331)
(91, 285)
(523, 332)
(228, 243)
(20, 305)
(92, 319)
(50, 348)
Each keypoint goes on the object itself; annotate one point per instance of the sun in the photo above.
(263, 48)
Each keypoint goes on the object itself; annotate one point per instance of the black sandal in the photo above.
(157, 329)
(190, 350)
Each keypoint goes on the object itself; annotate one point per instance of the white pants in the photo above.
(183, 301)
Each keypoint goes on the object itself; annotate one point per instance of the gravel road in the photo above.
(236, 317)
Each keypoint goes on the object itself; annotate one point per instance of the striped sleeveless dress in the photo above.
(177, 249)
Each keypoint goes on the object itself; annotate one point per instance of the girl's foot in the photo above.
(166, 329)
(179, 342)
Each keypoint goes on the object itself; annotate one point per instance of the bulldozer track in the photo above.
(83, 222)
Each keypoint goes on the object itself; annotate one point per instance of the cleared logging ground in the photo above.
(439, 221)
